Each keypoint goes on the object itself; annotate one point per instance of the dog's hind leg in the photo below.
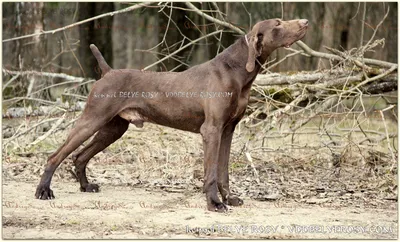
(88, 124)
(107, 135)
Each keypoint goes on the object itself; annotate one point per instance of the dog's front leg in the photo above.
(211, 142)
(223, 167)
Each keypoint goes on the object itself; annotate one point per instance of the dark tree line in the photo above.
(127, 40)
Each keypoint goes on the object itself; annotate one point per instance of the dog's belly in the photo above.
(187, 121)
(133, 116)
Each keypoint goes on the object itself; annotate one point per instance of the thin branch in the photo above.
(137, 6)
(358, 8)
(248, 13)
(363, 26)
(219, 11)
(11, 80)
(16, 135)
(284, 58)
(181, 48)
(49, 132)
(376, 30)
(73, 54)
(388, 141)
(212, 19)
(314, 53)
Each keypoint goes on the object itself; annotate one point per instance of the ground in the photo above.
(124, 212)
(151, 188)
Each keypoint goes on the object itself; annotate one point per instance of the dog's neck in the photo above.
(234, 57)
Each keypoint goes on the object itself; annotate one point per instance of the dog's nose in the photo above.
(303, 22)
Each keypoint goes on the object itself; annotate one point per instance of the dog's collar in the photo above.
(247, 41)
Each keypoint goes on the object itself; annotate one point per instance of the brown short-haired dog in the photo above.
(215, 94)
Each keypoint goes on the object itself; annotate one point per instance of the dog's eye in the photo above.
(278, 23)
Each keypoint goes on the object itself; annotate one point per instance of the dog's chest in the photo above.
(242, 101)
(240, 109)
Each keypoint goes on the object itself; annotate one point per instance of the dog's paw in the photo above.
(233, 201)
(90, 187)
(44, 193)
(217, 207)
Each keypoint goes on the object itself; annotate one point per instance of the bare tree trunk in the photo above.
(173, 36)
(31, 53)
(98, 33)
(86, 35)
(103, 29)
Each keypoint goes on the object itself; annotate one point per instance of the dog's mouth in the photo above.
(288, 45)
(298, 36)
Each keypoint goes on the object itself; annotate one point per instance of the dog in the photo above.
(214, 94)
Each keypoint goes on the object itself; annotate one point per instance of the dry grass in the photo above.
(284, 165)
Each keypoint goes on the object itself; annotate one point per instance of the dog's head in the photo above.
(268, 35)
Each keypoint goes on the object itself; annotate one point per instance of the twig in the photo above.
(73, 54)
(314, 53)
(137, 6)
(27, 130)
(375, 30)
(11, 80)
(248, 13)
(388, 141)
(212, 19)
(53, 128)
(363, 26)
(219, 11)
(284, 58)
(358, 8)
(158, 53)
(181, 48)
(249, 159)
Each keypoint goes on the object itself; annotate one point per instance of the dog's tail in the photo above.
(100, 59)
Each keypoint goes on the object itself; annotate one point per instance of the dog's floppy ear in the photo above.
(255, 48)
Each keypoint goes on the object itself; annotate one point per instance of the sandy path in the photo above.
(125, 212)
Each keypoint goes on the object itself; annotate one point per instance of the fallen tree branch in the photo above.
(393, 68)
(44, 74)
(16, 135)
(324, 78)
(314, 53)
(381, 87)
(314, 82)
(261, 79)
